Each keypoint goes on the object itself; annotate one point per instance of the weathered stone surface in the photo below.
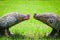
(51, 20)
(10, 20)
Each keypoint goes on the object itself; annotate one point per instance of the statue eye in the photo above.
(51, 21)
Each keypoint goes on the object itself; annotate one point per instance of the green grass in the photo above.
(30, 28)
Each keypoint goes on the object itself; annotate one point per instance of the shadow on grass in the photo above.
(17, 36)
(49, 38)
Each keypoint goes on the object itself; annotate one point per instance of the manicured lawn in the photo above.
(31, 28)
